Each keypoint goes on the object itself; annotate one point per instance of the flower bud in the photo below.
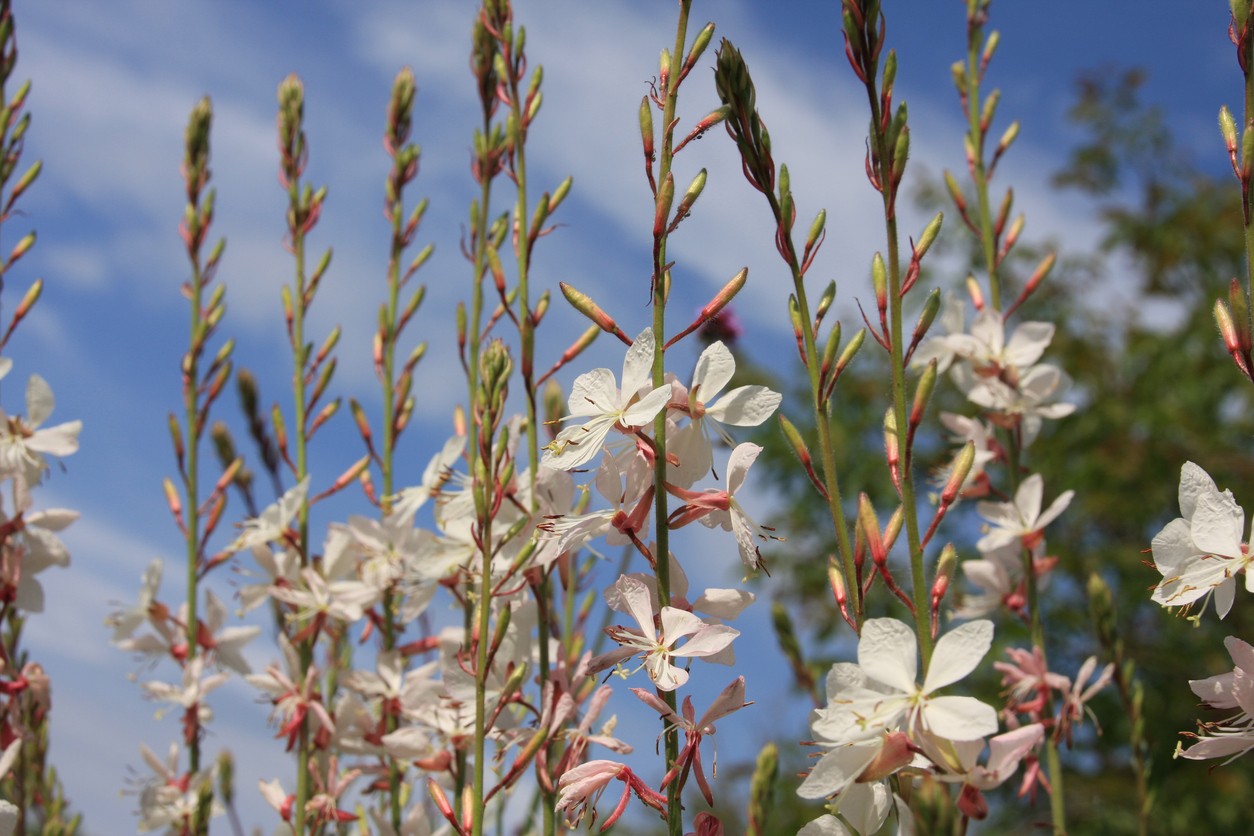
(762, 790)
(1008, 137)
(1228, 129)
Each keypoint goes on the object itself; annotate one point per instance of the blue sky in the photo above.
(113, 83)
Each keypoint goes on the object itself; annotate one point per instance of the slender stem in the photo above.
(674, 805)
(483, 613)
(386, 468)
(527, 340)
(897, 339)
(191, 408)
(976, 137)
(822, 418)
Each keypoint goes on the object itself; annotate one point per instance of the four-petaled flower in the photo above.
(658, 647)
(596, 397)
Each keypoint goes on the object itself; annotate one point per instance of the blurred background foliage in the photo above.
(1155, 388)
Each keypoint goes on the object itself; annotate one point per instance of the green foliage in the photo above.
(1155, 389)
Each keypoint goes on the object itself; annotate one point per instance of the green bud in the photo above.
(699, 44)
(762, 790)
(990, 47)
(927, 316)
(959, 72)
(928, 237)
(1102, 609)
(1008, 137)
(825, 301)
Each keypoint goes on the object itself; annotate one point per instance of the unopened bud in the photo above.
(923, 392)
(958, 473)
(584, 304)
(931, 306)
(560, 193)
(1238, 304)
(990, 47)
(690, 197)
(879, 281)
(974, 291)
(646, 126)
(959, 72)
(955, 191)
(945, 566)
(1228, 128)
(989, 109)
(869, 524)
(698, 45)
(1102, 609)
(1008, 137)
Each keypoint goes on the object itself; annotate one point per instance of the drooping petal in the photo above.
(711, 639)
(738, 464)
(838, 769)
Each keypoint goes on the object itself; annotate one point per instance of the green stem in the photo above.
(979, 172)
(299, 358)
(483, 613)
(897, 338)
(674, 805)
(191, 380)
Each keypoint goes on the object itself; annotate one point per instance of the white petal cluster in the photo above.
(1201, 552)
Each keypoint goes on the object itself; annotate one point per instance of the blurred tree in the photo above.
(1155, 389)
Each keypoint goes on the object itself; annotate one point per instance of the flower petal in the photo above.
(957, 654)
(959, 718)
(888, 653)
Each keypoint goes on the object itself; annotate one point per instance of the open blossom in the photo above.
(169, 798)
(876, 705)
(659, 646)
(596, 397)
(23, 443)
(274, 520)
(744, 406)
(721, 508)
(1201, 552)
(1022, 520)
(1234, 736)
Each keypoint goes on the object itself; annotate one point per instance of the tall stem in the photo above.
(674, 805)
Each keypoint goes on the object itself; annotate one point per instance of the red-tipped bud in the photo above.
(584, 304)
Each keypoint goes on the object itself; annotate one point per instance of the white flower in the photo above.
(1022, 519)
(192, 693)
(22, 442)
(721, 508)
(595, 396)
(872, 703)
(274, 521)
(1201, 551)
(126, 622)
(744, 406)
(658, 647)
(1235, 736)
